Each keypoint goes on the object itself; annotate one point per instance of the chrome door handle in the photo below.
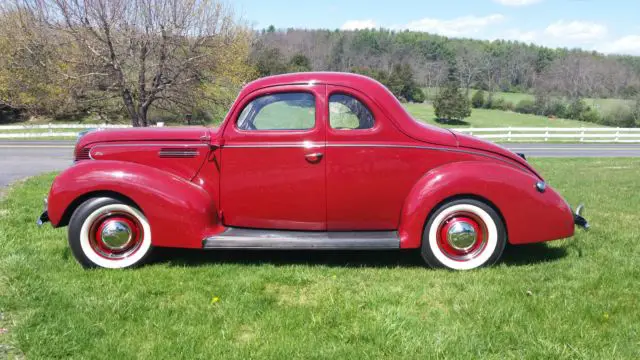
(314, 157)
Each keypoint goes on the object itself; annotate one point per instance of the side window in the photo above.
(282, 111)
(348, 113)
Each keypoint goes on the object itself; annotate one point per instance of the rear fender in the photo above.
(179, 212)
(529, 215)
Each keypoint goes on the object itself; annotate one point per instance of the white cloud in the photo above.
(625, 45)
(517, 2)
(359, 24)
(576, 31)
(462, 26)
(519, 35)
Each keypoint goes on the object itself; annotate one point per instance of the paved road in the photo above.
(19, 158)
(576, 150)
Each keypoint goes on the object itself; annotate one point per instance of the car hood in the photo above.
(474, 143)
(145, 134)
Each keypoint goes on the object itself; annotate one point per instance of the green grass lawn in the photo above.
(575, 298)
(494, 118)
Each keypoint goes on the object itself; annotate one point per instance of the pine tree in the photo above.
(451, 103)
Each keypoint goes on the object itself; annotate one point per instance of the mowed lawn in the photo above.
(575, 298)
(487, 118)
(601, 104)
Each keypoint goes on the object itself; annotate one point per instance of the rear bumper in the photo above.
(578, 219)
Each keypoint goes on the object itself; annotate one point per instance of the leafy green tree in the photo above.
(451, 103)
(270, 61)
(299, 63)
(400, 81)
(577, 108)
(526, 106)
(477, 101)
(636, 111)
(417, 95)
(404, 86)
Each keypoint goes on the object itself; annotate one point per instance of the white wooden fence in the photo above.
(520, 134)
(50, 130)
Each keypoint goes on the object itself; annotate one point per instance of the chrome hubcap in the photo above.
(116, 235)
(462, 236)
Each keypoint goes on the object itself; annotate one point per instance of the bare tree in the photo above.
(435, 73)
(147, 52)
(468, 61)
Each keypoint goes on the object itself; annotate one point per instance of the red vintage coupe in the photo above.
(303, 161)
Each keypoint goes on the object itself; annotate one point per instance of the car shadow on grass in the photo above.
(379, 259)
(513, 256)
(532, 254)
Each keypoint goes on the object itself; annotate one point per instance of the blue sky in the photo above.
(608, 26)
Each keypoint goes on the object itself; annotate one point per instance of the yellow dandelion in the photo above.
(215, 299)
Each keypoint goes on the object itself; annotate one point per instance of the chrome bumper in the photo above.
(44, 217)
(578, 219)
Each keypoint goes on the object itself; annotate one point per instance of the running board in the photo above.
(237, 238)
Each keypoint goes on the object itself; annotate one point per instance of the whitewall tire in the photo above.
(463, 234)
(108, 233)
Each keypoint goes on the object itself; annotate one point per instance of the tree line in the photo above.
(499, 65)
(148, 60)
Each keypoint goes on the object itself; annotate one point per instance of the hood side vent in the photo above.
(83, 154)
(179, 153)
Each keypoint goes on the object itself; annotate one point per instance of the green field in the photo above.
(575, 298)
(494, 118)
(603, 105)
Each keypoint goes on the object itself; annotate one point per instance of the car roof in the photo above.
(322, 77)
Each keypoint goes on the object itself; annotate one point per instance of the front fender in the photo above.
(179, 212)
(529, 215)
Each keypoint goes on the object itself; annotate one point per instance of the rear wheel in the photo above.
(463, 234)
(108, 233)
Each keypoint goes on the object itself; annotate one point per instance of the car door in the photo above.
(272, 162)
(371, 166)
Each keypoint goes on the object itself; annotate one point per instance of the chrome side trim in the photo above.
(176, 146)
(167, 144)
(307, 145)
(420, 147)
(178, 153)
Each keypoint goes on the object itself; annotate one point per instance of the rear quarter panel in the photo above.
(529, 216)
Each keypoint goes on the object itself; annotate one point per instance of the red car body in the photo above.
(193, 183)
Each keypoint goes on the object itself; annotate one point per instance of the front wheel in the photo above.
(463, 234)
(108, 233)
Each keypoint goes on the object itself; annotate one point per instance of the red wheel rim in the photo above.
(116, 235)
(462, 236)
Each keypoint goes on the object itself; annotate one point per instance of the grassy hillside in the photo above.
(494, 118)
(602, 105)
